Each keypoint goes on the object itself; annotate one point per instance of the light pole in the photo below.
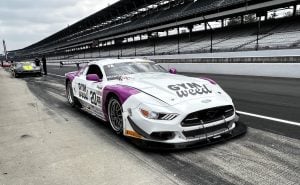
(211, 33)
(258, 32)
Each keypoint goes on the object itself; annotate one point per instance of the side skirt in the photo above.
(87, 108)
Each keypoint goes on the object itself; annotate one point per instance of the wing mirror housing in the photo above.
(172, 71)
(93, 77)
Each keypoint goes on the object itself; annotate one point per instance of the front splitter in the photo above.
(239, 130)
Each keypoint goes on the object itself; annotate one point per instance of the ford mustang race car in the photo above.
(144, 102)
(23, 68)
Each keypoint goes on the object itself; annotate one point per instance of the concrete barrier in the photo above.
(291, 70)
(271, 63)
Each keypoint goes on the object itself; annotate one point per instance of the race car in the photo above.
(155, 108)
(6, 64)
(23, 68)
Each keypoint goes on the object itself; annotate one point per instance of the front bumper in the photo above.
(28, 73)
(203, 136)
(239, 130)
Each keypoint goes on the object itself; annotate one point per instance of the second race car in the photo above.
(141, 100)
(25, 68)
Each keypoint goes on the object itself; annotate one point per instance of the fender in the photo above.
(71, 75)
(123, 92)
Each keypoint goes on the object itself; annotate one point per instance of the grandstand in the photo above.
(160, 27)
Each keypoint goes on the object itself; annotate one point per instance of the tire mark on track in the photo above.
(189, 172)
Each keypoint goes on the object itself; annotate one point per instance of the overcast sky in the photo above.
(24, 22)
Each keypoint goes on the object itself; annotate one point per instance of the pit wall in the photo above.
(290, 70)
(271, 63)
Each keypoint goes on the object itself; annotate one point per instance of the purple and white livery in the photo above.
(141, 100)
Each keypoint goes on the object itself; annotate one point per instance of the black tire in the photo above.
(73, 101)
(115, 118)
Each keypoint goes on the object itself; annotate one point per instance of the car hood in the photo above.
(172, 89)
(27, 68)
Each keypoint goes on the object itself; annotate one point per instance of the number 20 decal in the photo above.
(95, 100)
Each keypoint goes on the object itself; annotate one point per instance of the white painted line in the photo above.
(269, 118)
(56, 75)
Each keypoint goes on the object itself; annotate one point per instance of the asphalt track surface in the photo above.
(267, 154)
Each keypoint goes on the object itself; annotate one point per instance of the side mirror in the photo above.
(93, 77)
(173, 71)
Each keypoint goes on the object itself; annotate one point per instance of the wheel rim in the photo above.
(115, 115)
(69, 95)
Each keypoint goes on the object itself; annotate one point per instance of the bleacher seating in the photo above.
(280, 35)
(273, 34)
(173, 13)
(284, 34)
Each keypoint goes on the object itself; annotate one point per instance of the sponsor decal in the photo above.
(189, 89)
(83, 93)
(122, 78)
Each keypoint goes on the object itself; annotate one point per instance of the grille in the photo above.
(208, 115)
(167, 116)
(202, 131)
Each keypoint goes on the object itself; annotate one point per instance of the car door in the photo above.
(92, 91)
(79, 87)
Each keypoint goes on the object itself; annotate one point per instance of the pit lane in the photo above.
(267, 154)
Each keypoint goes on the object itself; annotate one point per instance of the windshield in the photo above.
(114, 71)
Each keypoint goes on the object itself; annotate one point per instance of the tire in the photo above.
(115, 115)
(73, 101)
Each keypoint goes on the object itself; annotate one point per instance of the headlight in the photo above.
(149, 114)
(159, 116)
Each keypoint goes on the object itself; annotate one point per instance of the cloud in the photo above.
(24, 22)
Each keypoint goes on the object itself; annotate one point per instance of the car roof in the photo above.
(115, 60)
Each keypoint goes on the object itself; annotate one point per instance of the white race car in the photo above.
(143, 101)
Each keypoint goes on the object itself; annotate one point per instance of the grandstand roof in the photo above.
(115, 10)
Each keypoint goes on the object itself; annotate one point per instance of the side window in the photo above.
(94, 69)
